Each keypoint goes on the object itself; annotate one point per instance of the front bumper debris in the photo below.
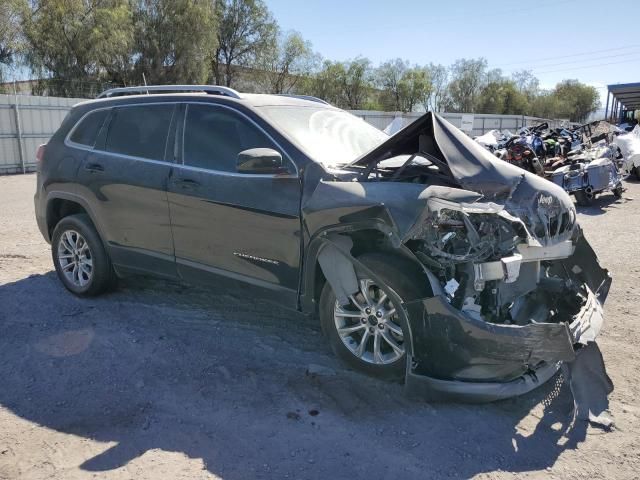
(462, 357)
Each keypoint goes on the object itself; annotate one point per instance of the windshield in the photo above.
(329, 136)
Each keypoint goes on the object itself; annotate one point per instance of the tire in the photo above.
(402, 280)
(636, 170)
(583, 199)
(88, 271)
(617, 192)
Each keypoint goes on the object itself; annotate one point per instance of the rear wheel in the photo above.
(636, 170)
(617, 192)
(80, 259)
(370, 334)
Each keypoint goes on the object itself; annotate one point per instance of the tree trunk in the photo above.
(228, 75)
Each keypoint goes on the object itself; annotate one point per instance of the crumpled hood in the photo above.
(472, 166)
(546, 209)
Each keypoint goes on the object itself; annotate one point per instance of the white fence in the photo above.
(27, 121)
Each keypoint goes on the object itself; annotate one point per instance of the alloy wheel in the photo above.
(369, 326)
(74, 258)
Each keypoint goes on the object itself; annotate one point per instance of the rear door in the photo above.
(243, 226)
(125, 177)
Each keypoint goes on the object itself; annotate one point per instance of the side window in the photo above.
(140, 131)
(86, 132)
(214, 136)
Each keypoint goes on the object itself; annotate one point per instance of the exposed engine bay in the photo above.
(491, 268)
(492, 264)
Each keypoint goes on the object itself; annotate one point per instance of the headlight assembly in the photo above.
(461, 236)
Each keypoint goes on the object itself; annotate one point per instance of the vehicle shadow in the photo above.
(603, 203)
(159, 366)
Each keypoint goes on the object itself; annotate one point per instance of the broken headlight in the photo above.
(459, 236)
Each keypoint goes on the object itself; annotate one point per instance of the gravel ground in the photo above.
(161, 380)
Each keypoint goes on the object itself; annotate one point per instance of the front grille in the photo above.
(552, 226)
(548, 222)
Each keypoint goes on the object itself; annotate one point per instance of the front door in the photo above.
(243, 226)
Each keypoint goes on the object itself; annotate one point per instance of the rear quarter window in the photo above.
(140, 131)
(86, 131)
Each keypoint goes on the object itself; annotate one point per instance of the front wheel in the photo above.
(370, 334)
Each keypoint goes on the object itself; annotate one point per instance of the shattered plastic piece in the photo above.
(590, 386)
(472, 309)
(451, 287)
(511, 267)
(395, 126)
(338, 270)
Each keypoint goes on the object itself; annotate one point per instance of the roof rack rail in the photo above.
(304, 97)
(149, 89)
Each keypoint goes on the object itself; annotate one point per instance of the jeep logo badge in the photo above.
(545, 200)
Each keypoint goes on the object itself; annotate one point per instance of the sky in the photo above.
(593, 41)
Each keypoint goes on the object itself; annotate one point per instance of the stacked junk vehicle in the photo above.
(585, 161)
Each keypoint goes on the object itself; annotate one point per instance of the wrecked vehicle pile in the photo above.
(584, 161)
(596, 166)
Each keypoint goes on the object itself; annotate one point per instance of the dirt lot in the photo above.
(160, 380)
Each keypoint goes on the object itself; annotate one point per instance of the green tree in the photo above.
(526, 83)
(544, 105)
(439, 75)
(10, 33)
(282, 66)
(355, 83)
(245, 32)
(493, 75)
(388, 76)
(173, 41)
(343, 84)
(74, 42)
(576, 100)
(491, 99)
(467, 80)
(502, 97)
(325, 83)
(414, 88)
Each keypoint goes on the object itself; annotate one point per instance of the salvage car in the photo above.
(423, 255)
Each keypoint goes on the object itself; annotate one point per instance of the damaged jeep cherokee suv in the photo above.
(423, 254)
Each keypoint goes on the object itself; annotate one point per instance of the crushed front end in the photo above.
(516, 291)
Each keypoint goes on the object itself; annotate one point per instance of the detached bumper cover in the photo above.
(459, 357)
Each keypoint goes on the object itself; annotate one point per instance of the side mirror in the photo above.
(260, 160)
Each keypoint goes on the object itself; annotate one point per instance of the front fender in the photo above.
(397, 205)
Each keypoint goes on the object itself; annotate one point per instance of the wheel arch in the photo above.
(366, 238)
(63, 204)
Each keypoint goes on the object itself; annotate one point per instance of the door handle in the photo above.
(187, 183)
(94, 167)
